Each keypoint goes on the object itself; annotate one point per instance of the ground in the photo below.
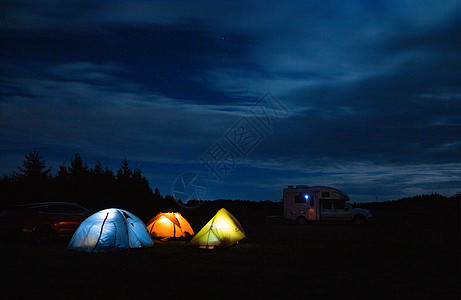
(401, 254)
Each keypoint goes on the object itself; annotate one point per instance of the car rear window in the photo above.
(8, 213)
(13, 212)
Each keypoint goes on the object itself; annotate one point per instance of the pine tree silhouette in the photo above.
(33, 168)
(33, 179)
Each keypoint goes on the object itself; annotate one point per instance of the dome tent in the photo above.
(169, 224)
(110, 229)
(222, 230)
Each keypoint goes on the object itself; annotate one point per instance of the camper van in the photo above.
(314, 203)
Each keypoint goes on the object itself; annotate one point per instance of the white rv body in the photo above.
(314, 203)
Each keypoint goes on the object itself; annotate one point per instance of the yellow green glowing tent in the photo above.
(222, 230)
(169, 224)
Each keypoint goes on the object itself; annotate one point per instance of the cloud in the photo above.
(362, 180)
(73, 107)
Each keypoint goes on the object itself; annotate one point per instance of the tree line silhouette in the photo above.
(95, 188)
(99, 187)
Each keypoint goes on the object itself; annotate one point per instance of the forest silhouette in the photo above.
(95, 188)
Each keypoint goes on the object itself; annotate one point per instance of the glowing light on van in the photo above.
(306, 196)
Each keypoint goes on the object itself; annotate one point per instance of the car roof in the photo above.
(42, 204)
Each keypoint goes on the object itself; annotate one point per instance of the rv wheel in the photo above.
(301, 220)
(359, 220)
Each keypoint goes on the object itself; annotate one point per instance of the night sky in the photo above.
(364, 96)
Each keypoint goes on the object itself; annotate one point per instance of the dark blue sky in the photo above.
(368, 93)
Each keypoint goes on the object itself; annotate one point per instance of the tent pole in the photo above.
(211, 227)
(100, 233)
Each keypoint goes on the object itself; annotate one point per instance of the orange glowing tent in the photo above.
(169, 224)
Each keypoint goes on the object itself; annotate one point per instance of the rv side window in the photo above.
(299, 199)
(326, 205)
(340, 205)
(325, 194)
(311, 201)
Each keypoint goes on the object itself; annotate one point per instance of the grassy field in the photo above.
(402, 254)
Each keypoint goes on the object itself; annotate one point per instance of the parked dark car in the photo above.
(43, 222)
